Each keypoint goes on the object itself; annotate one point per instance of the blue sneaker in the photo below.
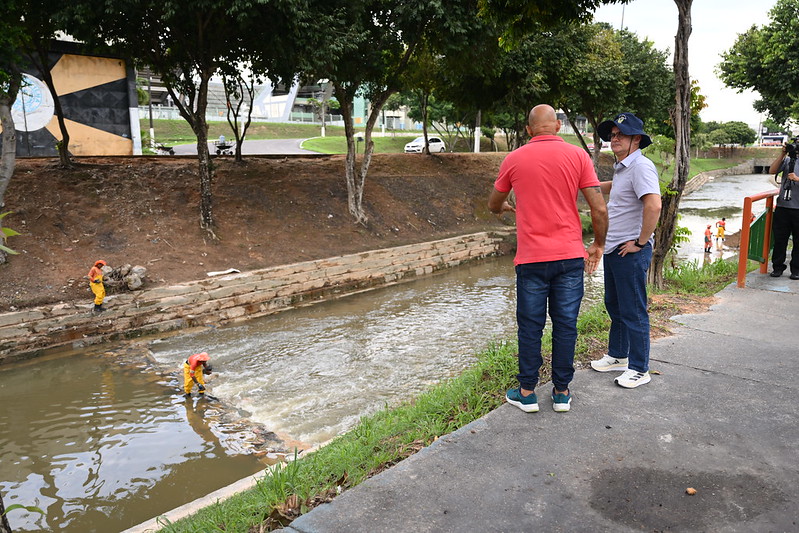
(561, 401)
(528, 404)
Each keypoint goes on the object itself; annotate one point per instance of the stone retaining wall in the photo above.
(235, 297)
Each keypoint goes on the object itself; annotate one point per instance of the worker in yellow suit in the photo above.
(193, 370)
(96, 284)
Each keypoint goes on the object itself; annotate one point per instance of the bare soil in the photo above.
(268, 211)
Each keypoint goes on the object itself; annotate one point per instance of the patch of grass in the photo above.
(338, 145)
(691, 278)
(703, 165)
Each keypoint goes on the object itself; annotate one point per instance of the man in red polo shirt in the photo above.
(545, 175)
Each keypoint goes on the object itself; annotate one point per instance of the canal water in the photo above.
(722, 197)
(101, 445)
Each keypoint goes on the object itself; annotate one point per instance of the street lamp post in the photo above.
(150, 103)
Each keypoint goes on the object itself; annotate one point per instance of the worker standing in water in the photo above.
(722, 227)
(96, 284)
(193, 370)
(708, 239)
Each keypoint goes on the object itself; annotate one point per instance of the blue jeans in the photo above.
(559, 284)
(625, 300)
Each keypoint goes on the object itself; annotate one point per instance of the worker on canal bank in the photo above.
(708, 239)
(96, 284)
(193, 370)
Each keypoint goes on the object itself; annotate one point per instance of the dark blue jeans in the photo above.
(625, 300)
(560, 285)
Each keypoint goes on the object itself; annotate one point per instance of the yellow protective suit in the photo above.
(99, 290)
(188, 383)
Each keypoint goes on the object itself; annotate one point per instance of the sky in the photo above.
(716, 25)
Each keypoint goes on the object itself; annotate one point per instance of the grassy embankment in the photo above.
(385, 438)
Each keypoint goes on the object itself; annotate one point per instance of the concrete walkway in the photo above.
(720, 417)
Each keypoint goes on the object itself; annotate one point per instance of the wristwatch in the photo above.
(635, 242)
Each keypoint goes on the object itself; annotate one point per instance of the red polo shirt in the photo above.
(546, 174)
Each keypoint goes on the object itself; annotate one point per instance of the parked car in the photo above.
(416, 146)
(605, 145)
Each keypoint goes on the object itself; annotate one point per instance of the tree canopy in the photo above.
(766, 59)
(187, 47)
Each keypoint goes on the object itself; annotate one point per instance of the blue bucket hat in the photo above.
(628, 124)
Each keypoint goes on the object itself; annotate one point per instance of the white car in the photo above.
(416, 146)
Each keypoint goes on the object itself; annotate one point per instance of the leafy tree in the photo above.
(370, 50)
(187, 47)
(41, 20)
(522, 17)
(739, 133)
(720, 137)
(766, 60)
(772, 126)
(12, 40)
(681, 122)
(701, 141)
(370, 46)
(239, 93)
(698, 103)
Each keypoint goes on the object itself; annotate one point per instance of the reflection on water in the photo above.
(101, 447)
(722, 197)
(311, 373)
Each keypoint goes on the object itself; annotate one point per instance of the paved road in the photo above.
(720, 417)
(257, 147)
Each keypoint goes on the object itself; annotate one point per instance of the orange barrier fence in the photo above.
(755, 236)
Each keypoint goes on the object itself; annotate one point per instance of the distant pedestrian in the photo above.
(546, 174)
(193, 370)
(633, 209)
(785, 223)
(708, 239)
(96, 284)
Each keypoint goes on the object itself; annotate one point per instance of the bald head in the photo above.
(543, 121)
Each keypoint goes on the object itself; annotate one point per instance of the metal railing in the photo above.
(755, 236)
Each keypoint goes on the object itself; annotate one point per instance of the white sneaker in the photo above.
(632, 379)
(609, 364)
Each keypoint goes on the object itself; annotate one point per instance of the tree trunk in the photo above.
(681, 118)
(8, 157)
(204, 156)
(424, 100)
(376, 106)
(42, 63)
(243, 87)
(477, 134)
(345, 98)
(194, 113)
(579, 135)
